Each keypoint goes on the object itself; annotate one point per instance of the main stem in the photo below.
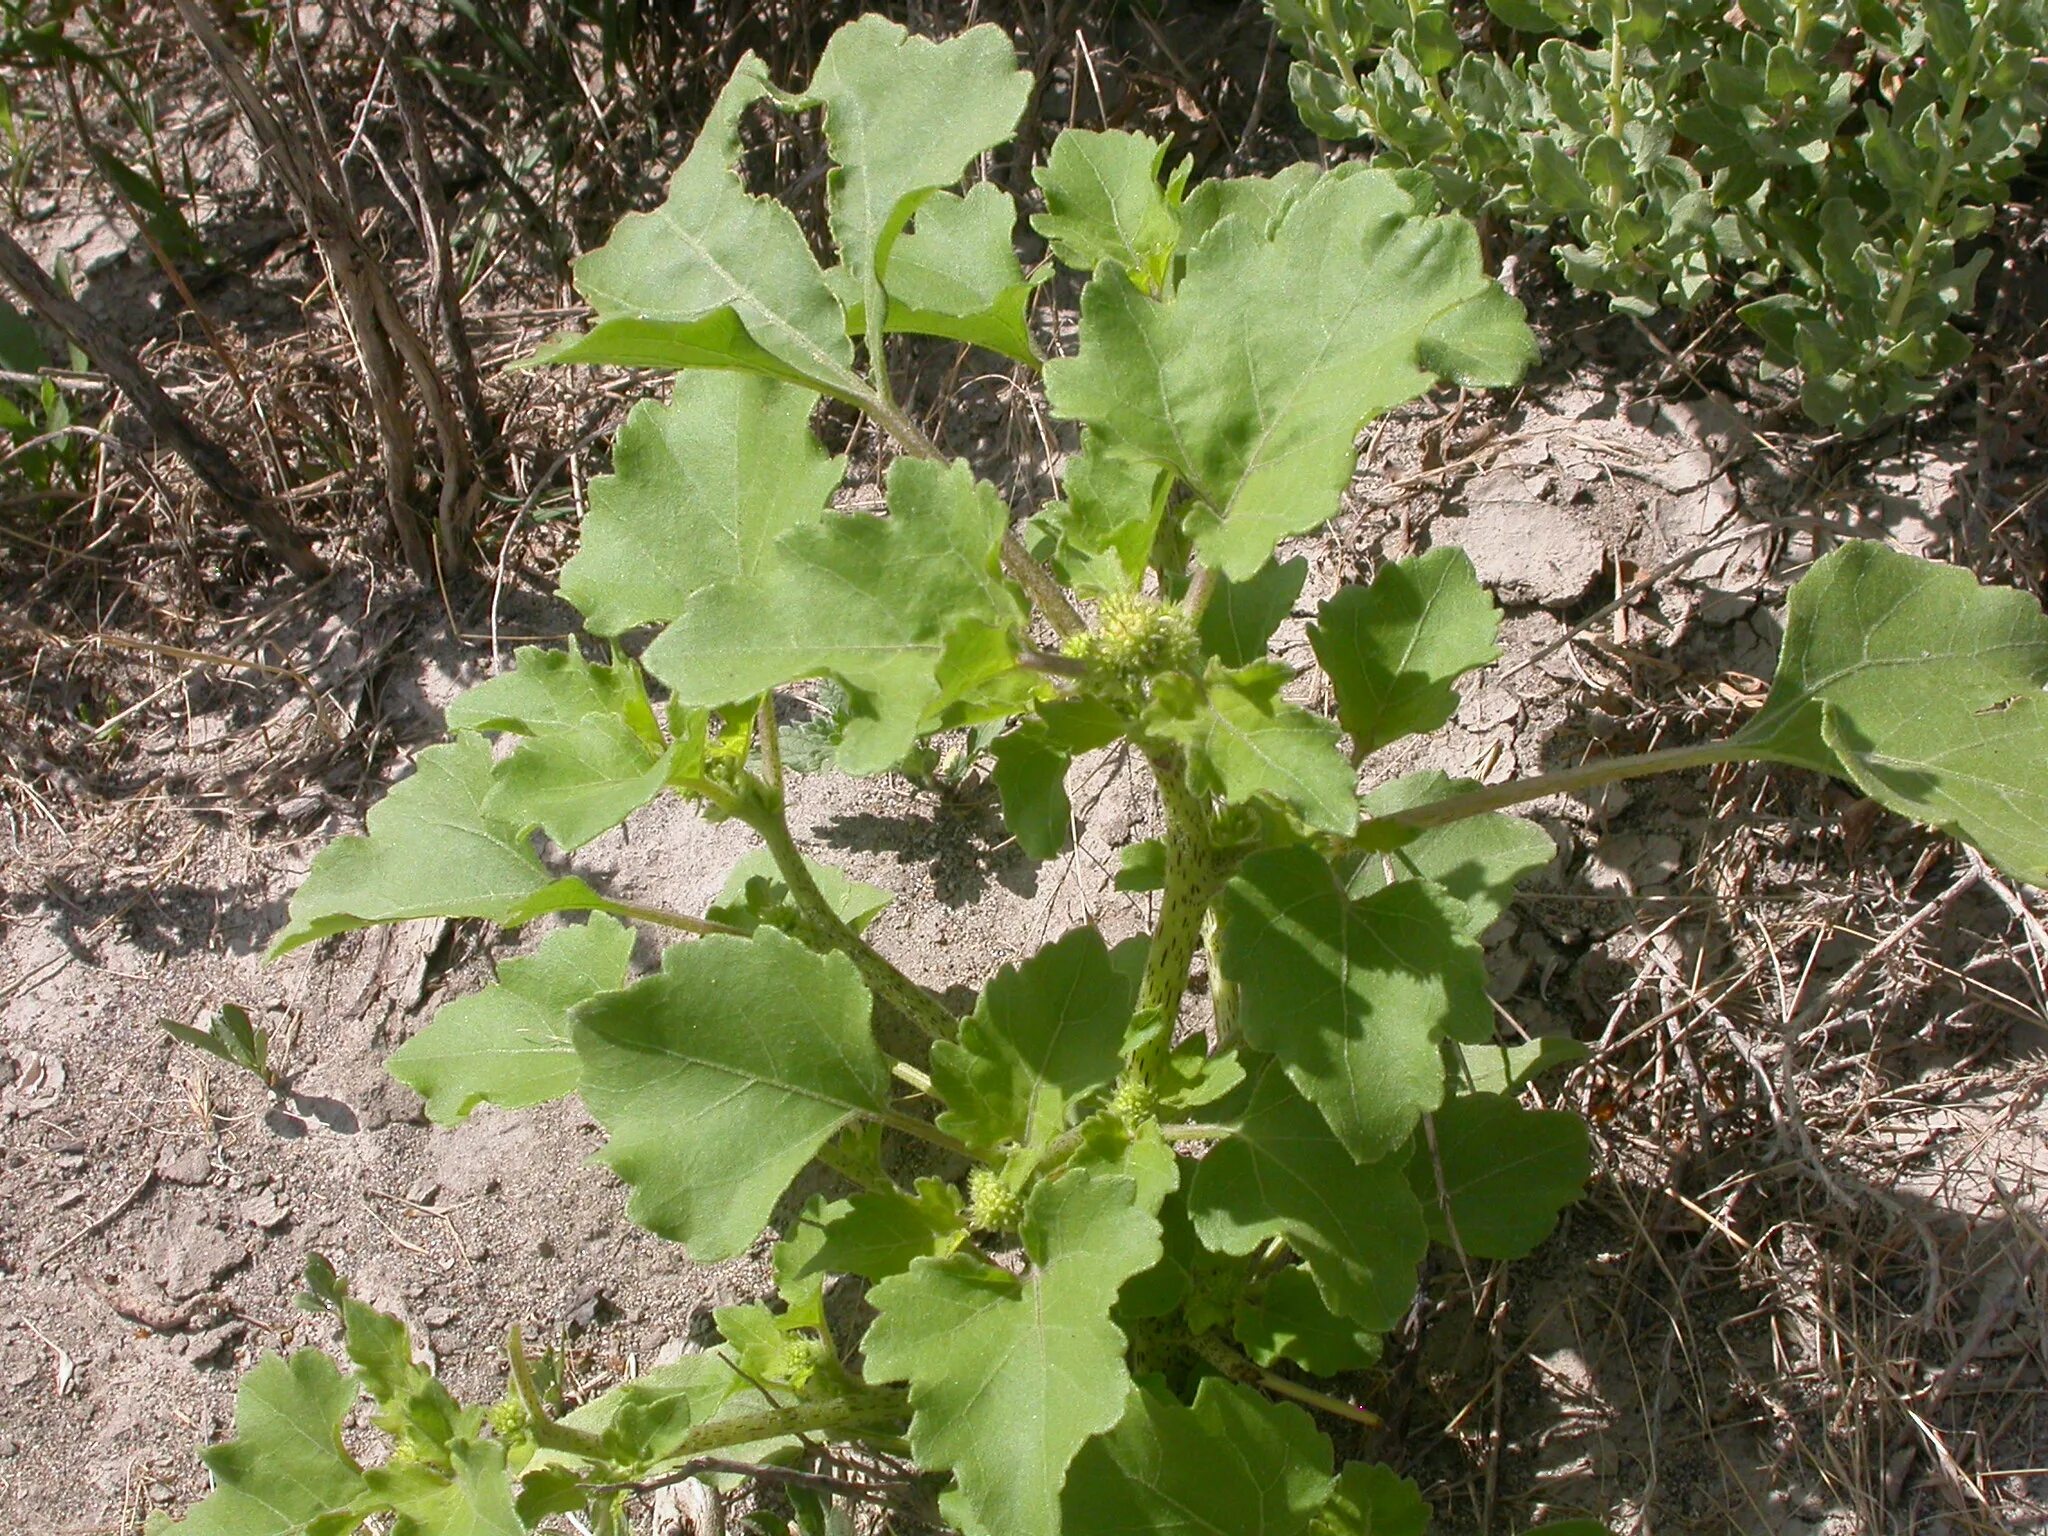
(1193, 871)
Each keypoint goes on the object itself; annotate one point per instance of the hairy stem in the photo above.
(1566, 781)
(764, 814)
(1193, 871)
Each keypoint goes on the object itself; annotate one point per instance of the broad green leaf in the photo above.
(1493, 1068)
(430, 850)
(1372, 1500)
(510, 1044)
(1234, 1464)
(1104, 201)
(720, 340)
(1925, 691)
(1283, 1174)
(1279, 345)
(1045, 1034)
(1393, 649)
(715, 277)
(547, 692)
(595, 753)
(476, 1501)
(1242, 615)
(1244, 741)
(954, 273)
(871, 601)
(1258, 200)
(1160, 1289)
(1031, 777)
(700, 489)
(578, 784)
(1352, 997)
(1107, 525)
(1288, 1320)
(880, 1232)
(905, 115)
(718, 1079)
(744, 903)
(1010, 1376)
(1500, 1173)
(1479, 860)
(285, 1473)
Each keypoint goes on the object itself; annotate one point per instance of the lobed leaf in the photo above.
(1923, 689)
(476, 1500)
(1010, 1377)
(594, 754)
(431, 850)
(1045, 1035)
(874, 602)
(285, 1473)
(1280, 343)
(718, 1079)
(881, 1232)
(1241, 616)
(1233, 1464)
(1372, 1500)
(1245, 742)
(905, 115)
(510, 1044)
(1288, 1320)
(699, 491)
(1282, 1173)
(1479, 860)
(715, 277)
(1104, 201)
(1353, 998)
(955, 274)
(1392, 649)
(1493, 1176)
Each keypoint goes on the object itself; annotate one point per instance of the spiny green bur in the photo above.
(1244, 1189)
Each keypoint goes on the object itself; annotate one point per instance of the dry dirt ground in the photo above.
(1805, 1294)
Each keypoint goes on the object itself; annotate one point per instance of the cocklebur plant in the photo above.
(1111, 1245)
(1831, 165)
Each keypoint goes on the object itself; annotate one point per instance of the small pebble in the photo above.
(190, 1167)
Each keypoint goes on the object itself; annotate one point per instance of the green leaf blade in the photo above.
(1280, 343)
(718, 1079)
(1284, 1174)
(716, 275)
(870, 601)
(285, 1473)
(1045, 1034)
(1354, 998)
(430, 850)
(905, 115)
(1232, 1463)
(1392, 649)
(1009, 1378)
(700, 489)
(510, 1044)
(1925, 691)
(1105, 201)
(1494, 1176)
